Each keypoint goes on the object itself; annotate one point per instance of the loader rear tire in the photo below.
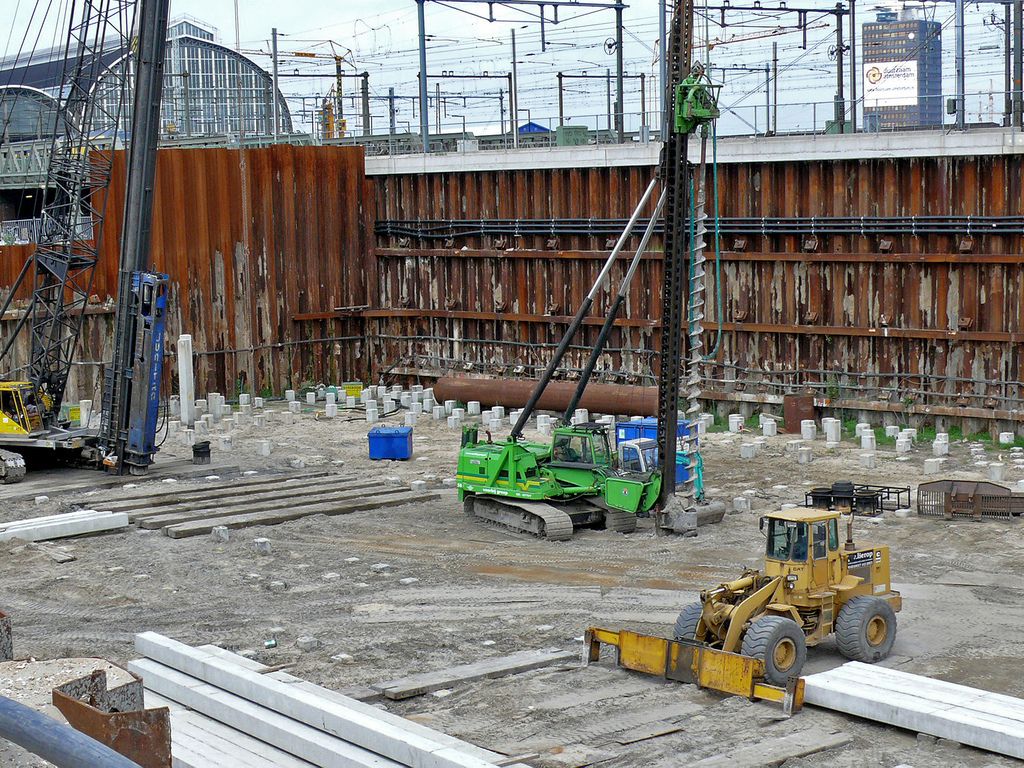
(866, 629)
(686, 624)
(780, 644)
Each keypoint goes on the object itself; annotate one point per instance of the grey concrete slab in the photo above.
(776, 751)
(397, 742)
(63, 526)
(295, 738)
(946, 710)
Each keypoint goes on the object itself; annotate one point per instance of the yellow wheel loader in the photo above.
(812, 586)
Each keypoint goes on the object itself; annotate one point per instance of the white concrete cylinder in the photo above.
(996, 471)
(459, 413)
(330, 410)
(289, 395)
(892, 430)
(902, 445)
(410, 419)
(867, 460)
(735, 422)
(940, 448)
(932, 466)
(867, 441)
(295, 406)
(85, 413)
(244, 399)
(257, 403)
(792, 446)
(747, 451)
(473, 408)
(449, 406)
(416, 408)
(371, 417)
(498, 411)
(804, 455)
(1006, 438)
(808, 429)
(454, 422)
(438, 412)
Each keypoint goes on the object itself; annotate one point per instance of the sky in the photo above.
(382, 38)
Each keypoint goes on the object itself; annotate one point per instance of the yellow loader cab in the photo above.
(812, 585)
(20, 409)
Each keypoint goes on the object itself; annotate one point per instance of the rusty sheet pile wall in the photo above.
(863, 281)
(262, 246)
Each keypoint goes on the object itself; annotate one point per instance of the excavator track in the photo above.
(532, 517)
(12, 467)
(620, 522)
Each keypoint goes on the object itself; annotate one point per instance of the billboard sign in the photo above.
(890, 84)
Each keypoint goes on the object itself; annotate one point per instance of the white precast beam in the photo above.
(368, 731)
(295, 738)
(62, 526)
(381, 714)
(971, 716)
(186, 381)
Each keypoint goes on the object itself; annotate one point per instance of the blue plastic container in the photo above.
(391, 443)
(634, 430)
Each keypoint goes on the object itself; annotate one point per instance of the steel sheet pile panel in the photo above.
(262, 245)
(866, 290)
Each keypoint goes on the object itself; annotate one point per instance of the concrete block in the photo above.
(808, 429)
(202, 430)
(911, 432)
(544, 429)
(903, 512)
(454, 422)
(225, 442)
(582, 415)
(769, 428)
(262, 546)
(428, 404)
(221, 533)
(289, 395)
(438, 412)
(330, 411)
(449, 406)
(410, 419)
(902, 445)
(861, 428)
(1020, 486)
(264, 447)
(804, 455)
(996, 471)
(416, 408)
(331, 398)
(892, 430)
(460, 413)
(932, 466)
(244, 399)
(473, 408)
(173, 403)
(62, 526)
(188, 436)
(1006, 438)
(371, 417)
(867, 441)
(792, 446)
(311, 398)
(867, 460)
(405, 399)
(498, 411)
(741, 504)
(350, 402)
(747, 450)
(834, 431)
(257, 403)
(201, 407)
(940, 448)
(307, 643)
(735, 422)
(832, 444)
(295, 407)
(941, 437)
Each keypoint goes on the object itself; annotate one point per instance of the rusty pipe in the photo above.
(515, 393)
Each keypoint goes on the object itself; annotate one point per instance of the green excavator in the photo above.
(576, 480)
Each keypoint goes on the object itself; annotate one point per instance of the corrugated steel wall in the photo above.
(262, 246)
(277, 274)
(913, 322)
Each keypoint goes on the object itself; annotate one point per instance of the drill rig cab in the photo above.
(21, 410)
(812, 586)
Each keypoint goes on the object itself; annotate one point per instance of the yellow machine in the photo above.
(20, 409)
(812, 586)
(749, 637)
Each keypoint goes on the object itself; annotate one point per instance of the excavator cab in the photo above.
(582, 445)
(20, 409)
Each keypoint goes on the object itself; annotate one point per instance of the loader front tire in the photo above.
(780, 644)
(866, 629)
(686, 624)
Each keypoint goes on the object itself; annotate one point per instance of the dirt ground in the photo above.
(482, 592)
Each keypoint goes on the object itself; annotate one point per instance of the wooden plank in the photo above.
(971, 716)
(201, 527)
(524, 661)
(270, 500)
(776, 751)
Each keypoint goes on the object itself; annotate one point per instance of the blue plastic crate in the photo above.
(391, 443)
(634, 430)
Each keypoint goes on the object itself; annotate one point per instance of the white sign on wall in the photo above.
(890, 84)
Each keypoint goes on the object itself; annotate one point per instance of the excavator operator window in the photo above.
(571, 449)
(631, 459)
(820, 548)
(833, 535)
(9, 407)
(601, 449)
(787, 540)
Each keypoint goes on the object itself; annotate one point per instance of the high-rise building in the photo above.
(902, 72)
